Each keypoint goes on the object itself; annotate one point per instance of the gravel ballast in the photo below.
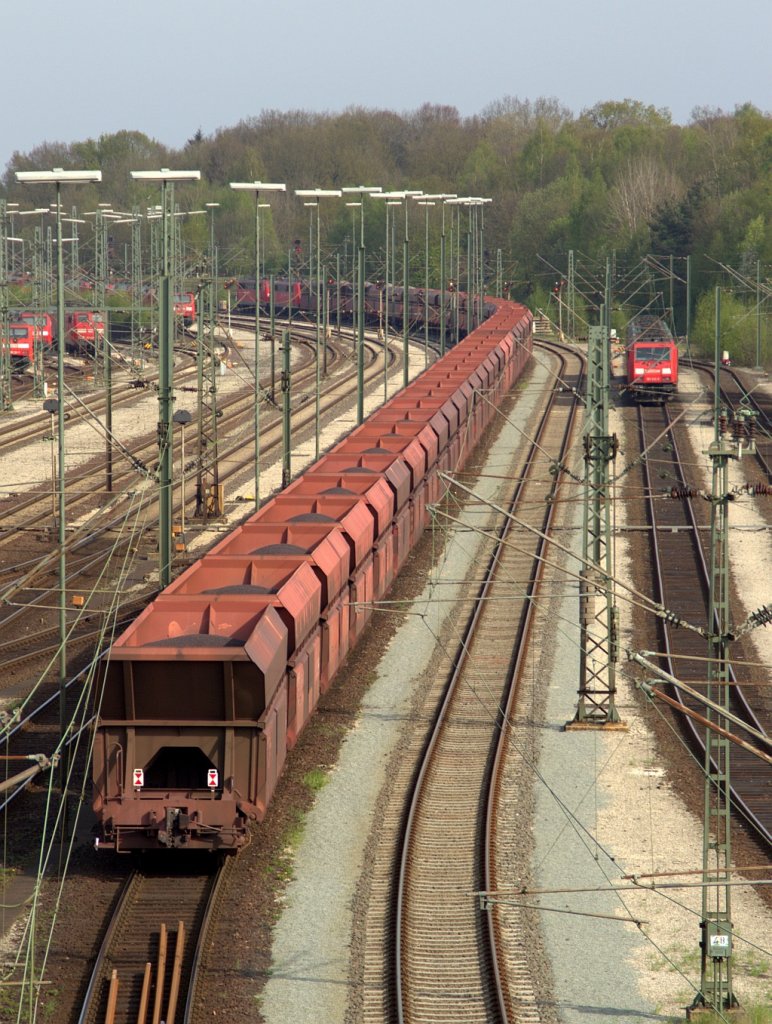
(309, 978)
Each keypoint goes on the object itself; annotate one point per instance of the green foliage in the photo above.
(738, 329)
(316, 779)
(619, 176)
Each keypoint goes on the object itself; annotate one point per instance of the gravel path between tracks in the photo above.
(625, 817)
(310, 975)
(622, 795)
(750, 546)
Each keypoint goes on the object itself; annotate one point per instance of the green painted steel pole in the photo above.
(318, 411)
(672, 299)
(717, 374)
(716, 942)
(457, 311)
(6, 402)
(442, 284)
(272, 308)
(165, 397)
(61, 525)
(57, 176)
(688, 301)
(469, 277)
(200, 497)
(108, 415)
(272, 303)
(361, 334)
(315, 196)
(257, 351)
(426, 287)
(758, 314)
(386, 317)
(337, 292)
(406, 300)
(325, 318)
(257, 187)
(286, 396)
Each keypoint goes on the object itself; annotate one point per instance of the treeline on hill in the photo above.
(618, 178)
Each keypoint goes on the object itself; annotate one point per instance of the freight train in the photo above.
(652, 361)
(300, 296)
(203, 695)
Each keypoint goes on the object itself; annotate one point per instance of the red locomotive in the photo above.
(43, 325)
(20, 342)
(205, 692)
(652, 361)
(185, 307)
(83, 328)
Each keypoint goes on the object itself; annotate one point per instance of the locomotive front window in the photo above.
(651, 353)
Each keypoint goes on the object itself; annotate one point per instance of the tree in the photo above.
(612, 114)
(642, 187)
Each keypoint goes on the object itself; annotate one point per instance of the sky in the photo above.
(77, 69)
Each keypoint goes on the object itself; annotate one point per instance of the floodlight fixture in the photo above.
(166, 175)
(57, 177)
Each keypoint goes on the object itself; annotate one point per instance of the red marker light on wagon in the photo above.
(139, 778)
(213, 778)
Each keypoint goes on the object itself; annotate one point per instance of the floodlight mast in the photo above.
(361, 191)
(59, 177)
(257, 187)
(316, 195)
(166, 178)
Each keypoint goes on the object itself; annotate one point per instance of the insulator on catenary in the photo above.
(762, 616)
(684, 492)
(757, 488)
(722, 423)
(670, 617)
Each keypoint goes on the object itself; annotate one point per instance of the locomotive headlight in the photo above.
(639, 371)
(666, 371)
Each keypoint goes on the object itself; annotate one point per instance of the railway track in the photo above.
(35, 426)
(682, 581)
(431, 953)
(31, 585)
(34, 508)
(38, 731)
(736, 394)
(147, 965)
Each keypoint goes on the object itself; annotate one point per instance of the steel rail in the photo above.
(741, 704)
(203, 887)
(432, 742)
(522, 631)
